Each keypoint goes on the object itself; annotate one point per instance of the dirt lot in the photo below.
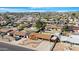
(66, 47)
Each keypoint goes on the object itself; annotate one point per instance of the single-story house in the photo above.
(43, 36)
(54, 27)
(18, 34)
(76, 29)
(4, 31)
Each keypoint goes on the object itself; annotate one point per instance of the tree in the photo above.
(39, 24)
(74, 14)
(47, 16)
(21, 26)
(65, 28)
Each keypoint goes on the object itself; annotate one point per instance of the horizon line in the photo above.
(39, 9)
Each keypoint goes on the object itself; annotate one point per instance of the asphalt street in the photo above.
(10, 47)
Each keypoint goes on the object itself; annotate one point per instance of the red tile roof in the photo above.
(38, 35)
(20, 33)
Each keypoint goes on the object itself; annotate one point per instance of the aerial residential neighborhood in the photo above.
(40, 31)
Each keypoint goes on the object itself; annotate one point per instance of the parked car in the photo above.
(17, 38)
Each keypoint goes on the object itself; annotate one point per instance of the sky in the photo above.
(39, 9)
